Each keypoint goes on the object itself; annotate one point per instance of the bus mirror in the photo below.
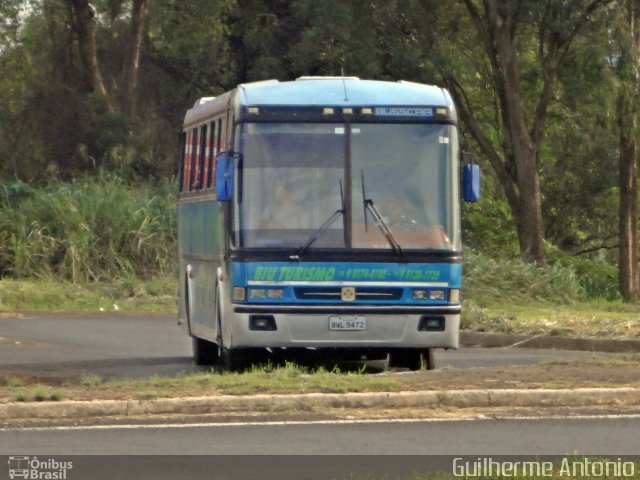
(471, 183)
(224, 177)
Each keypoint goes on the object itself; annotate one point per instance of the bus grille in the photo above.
(335, 293)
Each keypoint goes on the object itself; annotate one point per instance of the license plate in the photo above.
(348, 323)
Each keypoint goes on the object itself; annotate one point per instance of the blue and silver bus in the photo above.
(322, 214)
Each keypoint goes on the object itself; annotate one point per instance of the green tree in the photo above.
(628, 71)
(501, 61)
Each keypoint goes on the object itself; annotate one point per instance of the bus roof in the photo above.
(321, 91)
(338, 91)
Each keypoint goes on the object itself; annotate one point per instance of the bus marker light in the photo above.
(454, 295)
(238, 293)
(327, 111)
(253, 110)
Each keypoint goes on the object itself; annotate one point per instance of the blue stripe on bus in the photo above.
(290, 277)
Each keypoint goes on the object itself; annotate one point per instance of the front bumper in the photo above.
(308, 327)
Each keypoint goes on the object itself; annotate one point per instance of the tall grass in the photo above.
(94, 228)
(490, 280)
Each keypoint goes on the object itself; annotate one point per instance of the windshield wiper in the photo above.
(324, 227)
(370, 207)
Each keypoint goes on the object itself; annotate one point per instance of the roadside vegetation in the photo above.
(96, 228)
(602, 370)
(100, 243)
(96, 243)
(284, 379)
(571, 297)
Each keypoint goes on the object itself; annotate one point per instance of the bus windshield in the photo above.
(305, 186)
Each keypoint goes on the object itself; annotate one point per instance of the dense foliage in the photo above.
(93, 228)
(104, 131)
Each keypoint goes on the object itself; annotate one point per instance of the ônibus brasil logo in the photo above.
(37, 469)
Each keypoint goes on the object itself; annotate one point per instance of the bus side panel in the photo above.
(200, 253)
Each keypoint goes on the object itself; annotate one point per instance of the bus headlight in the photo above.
(257, 293)
(436, 295)
(262, 293)
(275, 293)
(420, 294)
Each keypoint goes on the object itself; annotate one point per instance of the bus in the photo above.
(322, 215)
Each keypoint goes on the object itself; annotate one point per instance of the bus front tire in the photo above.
(204, 351)
(413, 359)
(233, 360)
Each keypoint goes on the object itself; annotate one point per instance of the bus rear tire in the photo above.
(204, 351)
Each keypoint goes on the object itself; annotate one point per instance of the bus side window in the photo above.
(183, 157)
(202, 151)
(193, 157)
(215, 149)
(187, 162)
(210, 154)
(222, 137)
(205, 163)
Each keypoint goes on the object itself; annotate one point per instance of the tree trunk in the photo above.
(628, 274)
(628, 278)
(85, 28)
(525, 148)
(131, 69)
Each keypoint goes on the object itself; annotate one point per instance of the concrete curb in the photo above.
(495, 340)
(306, 402)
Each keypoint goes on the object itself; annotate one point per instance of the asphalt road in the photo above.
(311, 450)
(553, 436)
(121, 345)
(128, 345)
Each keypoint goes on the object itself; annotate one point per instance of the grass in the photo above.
(92, 229)
(91, 380)
(47, 294)
(489, 280)
(39, 393)
(508, 296)
(289, 378)
(587, 319)
(263, 379)
(599, 370)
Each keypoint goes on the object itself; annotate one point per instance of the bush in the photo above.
(487, 227)
(94, 228)
(598, 277)
(493, 280)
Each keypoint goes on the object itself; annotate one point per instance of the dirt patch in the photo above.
(561, 375)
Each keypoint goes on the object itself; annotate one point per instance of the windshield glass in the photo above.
(296, 176)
